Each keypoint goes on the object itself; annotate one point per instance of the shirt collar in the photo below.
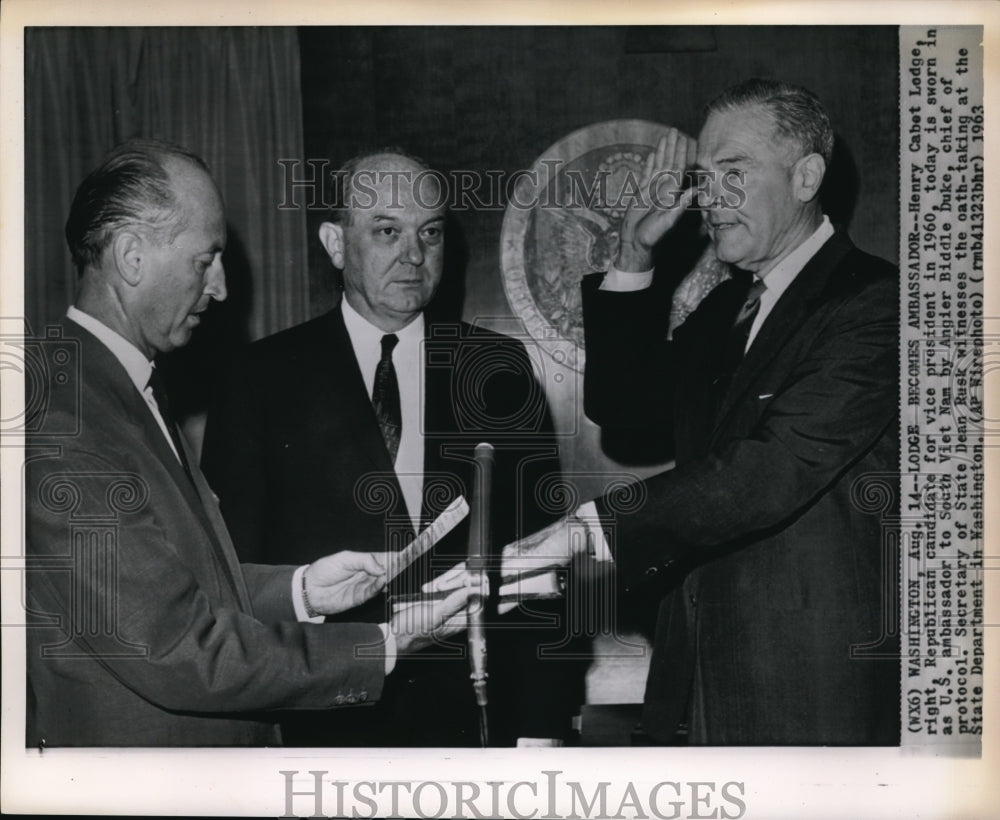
(363, 333)
(783, 274)
(138, 367)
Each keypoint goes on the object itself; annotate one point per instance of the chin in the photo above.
(730, 258)
(179, 340)
(414, 305)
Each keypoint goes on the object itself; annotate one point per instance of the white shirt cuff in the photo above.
(300, 606)
(622, 281)
(588, 514)
(390, 648)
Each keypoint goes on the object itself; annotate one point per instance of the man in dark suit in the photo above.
(781, 390)
(363, 422)
(145, 629)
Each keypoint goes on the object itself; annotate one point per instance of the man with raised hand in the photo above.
(781, 393)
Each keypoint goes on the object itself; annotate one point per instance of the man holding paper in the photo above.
(362, 423)
(781, 390)
(144, 629)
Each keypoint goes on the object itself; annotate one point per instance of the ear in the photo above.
(127, 251)
(808, 177)
(331, 237)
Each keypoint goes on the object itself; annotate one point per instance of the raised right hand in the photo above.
(663, 201)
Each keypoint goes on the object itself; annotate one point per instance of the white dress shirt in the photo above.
(138, 367)
(408, 361)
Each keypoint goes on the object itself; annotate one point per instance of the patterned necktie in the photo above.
(155, 383)
(385, 397)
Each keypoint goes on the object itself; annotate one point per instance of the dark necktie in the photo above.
(155, 383)
(385, 397)
(740, 332)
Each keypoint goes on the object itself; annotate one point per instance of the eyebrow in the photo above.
(734, 158)
(388, 218)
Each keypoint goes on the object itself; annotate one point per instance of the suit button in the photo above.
(652, 570)
(339, 700)
(352, 699)
(362, 697)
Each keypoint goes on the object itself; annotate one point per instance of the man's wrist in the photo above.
(303, 612)
(632, 258)
(310, 610)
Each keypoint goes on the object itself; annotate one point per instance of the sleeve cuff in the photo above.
(300, 607)
(621, 281)
(390, 648)
(595, 532)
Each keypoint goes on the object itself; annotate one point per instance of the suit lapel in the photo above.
(338, 380)
(217, 530)
(440, 424)
(114, 381)
(347, 396)
(787, 316)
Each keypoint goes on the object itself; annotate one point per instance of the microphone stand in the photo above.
(478, 557)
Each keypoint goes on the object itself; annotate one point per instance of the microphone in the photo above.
(480, 542)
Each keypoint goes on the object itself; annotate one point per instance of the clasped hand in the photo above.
(553, 547)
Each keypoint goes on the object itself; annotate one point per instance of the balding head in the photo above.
(353, 183)
(147, 230)
(130, 189)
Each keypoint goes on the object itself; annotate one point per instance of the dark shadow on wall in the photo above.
(191, 372)
(446, 306)
(841, 185)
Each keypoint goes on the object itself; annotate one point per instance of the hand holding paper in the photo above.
(453, 514)
(344, 580)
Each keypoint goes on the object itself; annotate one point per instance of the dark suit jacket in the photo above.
(774, 515)
(293, 449)
(146, 631)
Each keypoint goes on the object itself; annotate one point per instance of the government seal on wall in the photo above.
(562, 221)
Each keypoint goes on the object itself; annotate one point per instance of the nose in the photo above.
(709, 190)
(411, 249)
(215, 285)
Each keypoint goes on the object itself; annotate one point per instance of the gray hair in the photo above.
(797, 112)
